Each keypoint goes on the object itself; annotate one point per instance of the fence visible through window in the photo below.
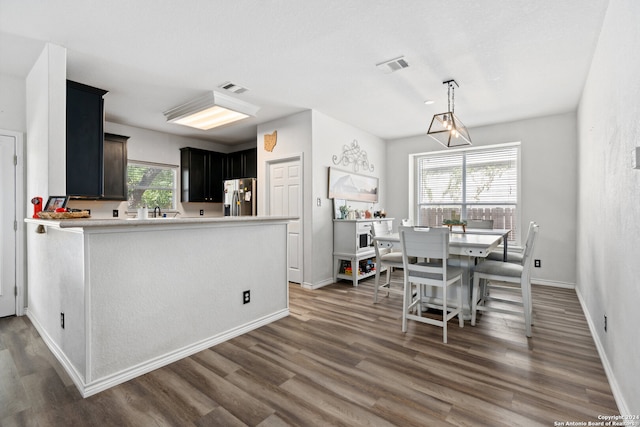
(503, 217)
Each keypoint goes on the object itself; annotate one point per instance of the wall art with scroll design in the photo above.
(353, 155)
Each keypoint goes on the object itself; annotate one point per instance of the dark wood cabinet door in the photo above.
(242, 164)
(115, 167)
(193, 165)
(216, 176)
(234, 165)
(85, 134)
(250, 163)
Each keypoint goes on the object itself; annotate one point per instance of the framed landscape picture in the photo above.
(352, 186)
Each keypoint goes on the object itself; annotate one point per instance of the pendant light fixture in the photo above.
(446, 128)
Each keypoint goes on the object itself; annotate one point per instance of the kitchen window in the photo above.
(471, 183)
(151, 185)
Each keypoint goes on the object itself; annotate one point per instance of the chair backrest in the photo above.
(379, 228)
(531, 224)
(429, 243)
(527, 257)
(425, 242)
(480, 223)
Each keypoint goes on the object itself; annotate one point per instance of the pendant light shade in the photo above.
(447, 128)
(210, 110)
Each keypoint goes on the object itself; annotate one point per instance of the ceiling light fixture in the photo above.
(211, 110)
(446, 128)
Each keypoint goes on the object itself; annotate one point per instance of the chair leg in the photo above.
(526, 306)
(460, 319)
(444, 314)
(377, 285)
(388, 281)
(405, 302)
(474, 298)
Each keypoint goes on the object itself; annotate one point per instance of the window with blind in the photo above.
(475, 183)
(151, 185)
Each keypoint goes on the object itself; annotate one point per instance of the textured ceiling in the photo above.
(513, 59)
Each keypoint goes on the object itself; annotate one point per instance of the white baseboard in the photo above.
(318, 285)
(553, 283)
(89, 389)
(623, 408)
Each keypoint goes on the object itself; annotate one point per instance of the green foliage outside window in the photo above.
(151, 186)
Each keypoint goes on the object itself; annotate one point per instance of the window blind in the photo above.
(476, 183)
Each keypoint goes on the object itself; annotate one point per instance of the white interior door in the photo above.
(285, 198)
(7, 231)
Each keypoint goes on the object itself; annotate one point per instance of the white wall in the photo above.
(293, 140)
(46, 139)
(548, 184)
(12, 103)
(330, 136)
(609, 200)
(317, 137)
(46, 94)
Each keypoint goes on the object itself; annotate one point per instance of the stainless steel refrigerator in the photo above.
(239, 197)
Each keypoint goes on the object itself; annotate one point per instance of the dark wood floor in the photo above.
(337, 360)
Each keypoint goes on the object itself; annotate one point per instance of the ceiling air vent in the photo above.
(232, 87)
(393, 65)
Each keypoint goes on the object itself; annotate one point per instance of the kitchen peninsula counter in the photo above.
(116, 298)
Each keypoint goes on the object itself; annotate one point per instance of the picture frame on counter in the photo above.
(56, 202)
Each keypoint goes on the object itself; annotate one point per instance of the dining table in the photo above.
(465, 248)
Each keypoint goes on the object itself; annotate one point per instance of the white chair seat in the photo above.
(451, 271)
(499, 268)
(511, 256)
(392, 257)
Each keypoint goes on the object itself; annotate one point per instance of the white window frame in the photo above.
(176, 174)
(414, 185)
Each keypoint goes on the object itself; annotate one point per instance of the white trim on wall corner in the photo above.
(623, 408)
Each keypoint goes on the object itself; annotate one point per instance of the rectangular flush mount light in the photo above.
(210, 110)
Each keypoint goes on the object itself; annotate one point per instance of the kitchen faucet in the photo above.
(159, 212)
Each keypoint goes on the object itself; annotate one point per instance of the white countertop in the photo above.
(119, 222)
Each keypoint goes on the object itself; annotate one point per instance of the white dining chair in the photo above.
(505, 275)
(485, 224)
(513, 255)
(433, 245)
(386, 257)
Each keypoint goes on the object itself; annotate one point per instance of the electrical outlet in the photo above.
(115, 213)
(62, 320)
(246, 297)
(536, 263)
(201, 212)
(605, 323)
(319, 202)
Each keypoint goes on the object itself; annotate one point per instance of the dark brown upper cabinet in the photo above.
(96, 169)
(115, 167)
(202, 175)
(242, 164)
